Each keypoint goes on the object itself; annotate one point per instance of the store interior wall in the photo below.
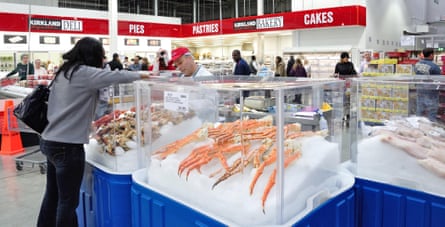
(317, 4)
(54, 3)
(386, 21)
(53, 52)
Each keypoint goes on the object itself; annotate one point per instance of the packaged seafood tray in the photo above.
(243, 168)
(401, 143)
(114, 141)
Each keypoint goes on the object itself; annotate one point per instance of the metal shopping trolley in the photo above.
(32, 157)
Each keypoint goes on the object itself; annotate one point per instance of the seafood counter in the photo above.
(114, 143)
(231, 169)
(408, 152)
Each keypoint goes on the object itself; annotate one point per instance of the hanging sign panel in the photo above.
(49, 39)
(14, 39)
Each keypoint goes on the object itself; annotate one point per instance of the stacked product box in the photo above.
(229, 152)
(400, 161)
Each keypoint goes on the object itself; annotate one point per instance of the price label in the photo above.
(176, 101)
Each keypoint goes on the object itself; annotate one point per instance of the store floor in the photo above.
(20, 192)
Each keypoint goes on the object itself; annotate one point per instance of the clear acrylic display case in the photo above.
(114, 140)
(226, 147)
(397, 131)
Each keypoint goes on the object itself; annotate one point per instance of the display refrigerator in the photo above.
(398, 141)
(238, 152)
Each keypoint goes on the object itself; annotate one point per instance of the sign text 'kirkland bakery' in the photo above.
(319, 18)
(269, 22)
(260, 23)
(205, 28)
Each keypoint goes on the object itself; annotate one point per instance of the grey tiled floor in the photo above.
(20, 192)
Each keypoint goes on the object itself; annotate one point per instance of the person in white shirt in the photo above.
(307, 67)
(39, 69)
(184, 61)
(365, 62)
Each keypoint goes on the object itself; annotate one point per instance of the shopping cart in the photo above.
(32, 157)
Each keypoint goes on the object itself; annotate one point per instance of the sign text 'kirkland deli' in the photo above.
(54, 24)
(260, 23)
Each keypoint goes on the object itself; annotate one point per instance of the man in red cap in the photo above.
(183, 60)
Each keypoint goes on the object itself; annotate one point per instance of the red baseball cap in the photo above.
(179, 52)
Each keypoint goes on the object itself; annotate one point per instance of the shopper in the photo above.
(345, 69)
(365, 62)
(144, 64)
(71, 107)
(290, 64)
(39, 69)
(253, 65)
(298, 69)
(136, 66)
(184, 61)
(307, 67)
(50, 67)
(241, 67)
(126, 63)
(161, 62)
(115, 63)
(427, 97)
(23, 68)
(280, 67)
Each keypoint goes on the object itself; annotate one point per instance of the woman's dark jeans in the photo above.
(66, 163)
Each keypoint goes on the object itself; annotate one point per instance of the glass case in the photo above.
(114, 140)
(244, 151)
(398, 131)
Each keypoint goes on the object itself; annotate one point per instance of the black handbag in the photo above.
(33, 108)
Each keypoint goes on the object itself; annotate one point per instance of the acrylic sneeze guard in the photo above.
(243, 152)
(400, 131)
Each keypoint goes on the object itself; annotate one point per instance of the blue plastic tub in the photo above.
(85, 211)
(339, 211)
(112, 198)
(383, 205)
(151, 208)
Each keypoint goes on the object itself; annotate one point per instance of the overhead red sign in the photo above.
(52, 24)
(318, 18)
(131, 28)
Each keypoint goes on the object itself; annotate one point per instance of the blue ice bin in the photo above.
(111, 202)
(198, 134)
(381, 204)
(85, 211)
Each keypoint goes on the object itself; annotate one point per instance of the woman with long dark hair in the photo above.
(298, 69)
(71, 107)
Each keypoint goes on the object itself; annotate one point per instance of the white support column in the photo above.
(297, 5)
(195, 11)
(260, 48)
(295, 39)
(112, 25)
(156, 6)
(260, 7)
(236, 9)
